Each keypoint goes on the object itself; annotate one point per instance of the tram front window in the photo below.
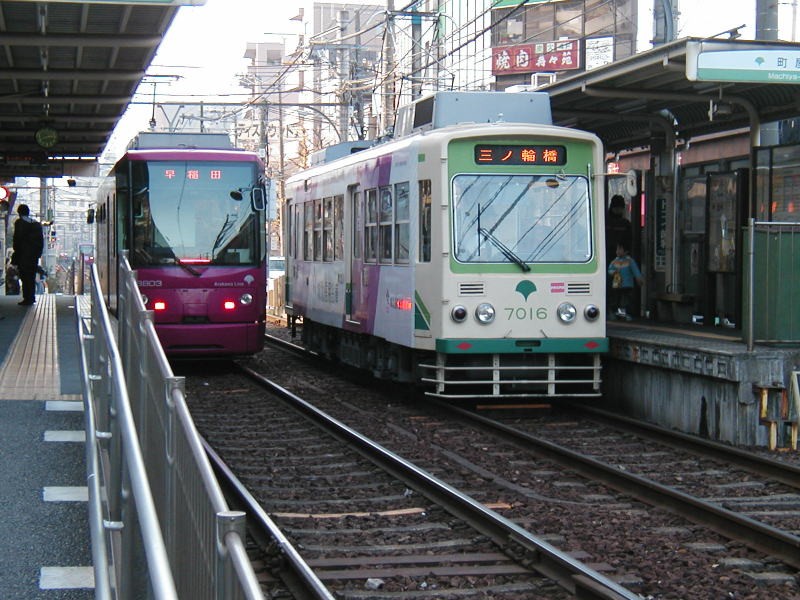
(194, 213)
(521, 219)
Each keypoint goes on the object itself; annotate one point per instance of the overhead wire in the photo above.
(454, 41)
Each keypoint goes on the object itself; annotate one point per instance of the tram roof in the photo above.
(71, 67)
(632, 101)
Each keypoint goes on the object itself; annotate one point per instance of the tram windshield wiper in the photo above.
(188, 268)
(505, 250)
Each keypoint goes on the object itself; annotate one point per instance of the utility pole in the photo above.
(389, 69)
(767, 29)
(665, 21)
(357, 71)
(344, 81)
(766, 20)
(416, 55)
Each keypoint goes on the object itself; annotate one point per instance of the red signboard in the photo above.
(562, 55)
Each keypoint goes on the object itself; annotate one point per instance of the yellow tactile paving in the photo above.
(30, 371)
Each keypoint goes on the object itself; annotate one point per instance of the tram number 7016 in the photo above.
(525, 313)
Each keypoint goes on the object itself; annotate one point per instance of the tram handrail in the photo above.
(201, 541)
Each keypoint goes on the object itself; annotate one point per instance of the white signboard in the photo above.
(599, 52)
(765, 65)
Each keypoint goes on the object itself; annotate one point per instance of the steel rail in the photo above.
(752, 533)
(766, 467)
(298, 576)
(544, 558)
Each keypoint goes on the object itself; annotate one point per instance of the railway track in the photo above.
(749, 499)
(662, 551)
(366, 517)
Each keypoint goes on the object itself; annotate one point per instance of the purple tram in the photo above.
(191, 214)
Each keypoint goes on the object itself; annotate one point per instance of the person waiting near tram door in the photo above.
(625, 274)
(618, 227)
(28, 247)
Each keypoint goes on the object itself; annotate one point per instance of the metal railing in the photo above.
(160, 526)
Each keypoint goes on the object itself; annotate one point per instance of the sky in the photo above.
(203, 49)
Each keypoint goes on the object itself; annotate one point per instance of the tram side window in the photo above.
(327, 229)
(338, 227)
(308, 232)
(401, 226)
(425, 220)
(371, 227)
(317, 229)
(386, 218)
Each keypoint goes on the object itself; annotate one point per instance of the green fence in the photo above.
(772, 282)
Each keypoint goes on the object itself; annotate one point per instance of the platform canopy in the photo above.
(68, 71)
(687, 88)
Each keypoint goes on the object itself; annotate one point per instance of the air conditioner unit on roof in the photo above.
(540, 79)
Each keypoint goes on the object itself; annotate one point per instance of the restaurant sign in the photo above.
(561, 55)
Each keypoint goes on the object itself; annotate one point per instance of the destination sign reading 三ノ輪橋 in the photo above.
(493, 154)
(758, 65)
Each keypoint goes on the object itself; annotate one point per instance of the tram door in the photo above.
(726, 203)
(354, 288)
(629, 186)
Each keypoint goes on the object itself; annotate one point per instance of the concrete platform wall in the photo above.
(695, 390)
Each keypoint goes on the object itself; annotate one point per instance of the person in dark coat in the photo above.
(618, 227)
(28, 247)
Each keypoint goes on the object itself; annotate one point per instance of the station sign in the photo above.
(759, 65)
(30, 165)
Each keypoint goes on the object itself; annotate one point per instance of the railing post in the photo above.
(230, 521)
(750, 283)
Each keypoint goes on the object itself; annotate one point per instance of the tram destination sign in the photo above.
(760, 65)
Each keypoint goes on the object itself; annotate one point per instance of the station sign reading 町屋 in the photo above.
(762, 64)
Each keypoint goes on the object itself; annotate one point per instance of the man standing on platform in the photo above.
(28, 248)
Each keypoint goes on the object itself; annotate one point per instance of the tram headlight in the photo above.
(246, 299)
(485, 313)
(591, 312)
(458, 313)
(567, 312)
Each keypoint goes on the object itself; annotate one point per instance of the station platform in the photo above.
(46, 549)
(703, 380)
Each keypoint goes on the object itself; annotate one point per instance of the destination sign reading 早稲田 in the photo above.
(773, 65)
